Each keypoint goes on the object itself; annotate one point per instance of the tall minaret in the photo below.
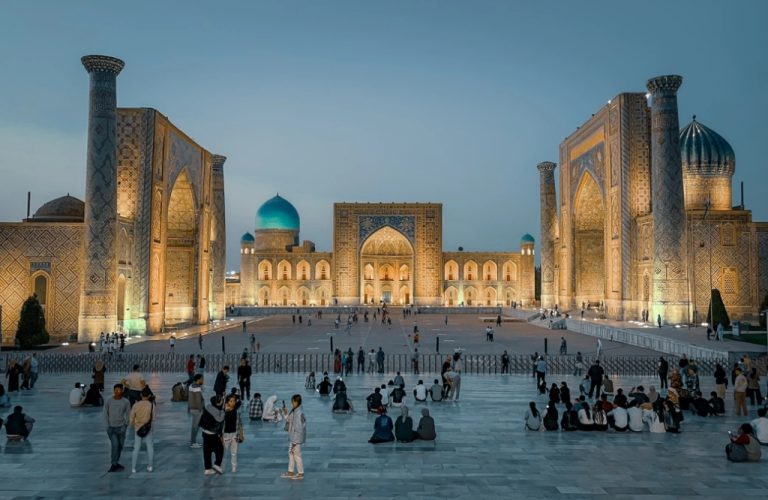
(219, 243)
(670, 285)
(98, 297)
(548, 201)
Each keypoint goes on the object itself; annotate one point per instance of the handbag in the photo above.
(240, 437)
(144, 429)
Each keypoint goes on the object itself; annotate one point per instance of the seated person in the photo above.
(542, 386)
(324, 388)
(342, 404)
(584, 386)
(744, 448)
(654, 417)
(716, 404)
(256, 408)
(404, 427)
(93, 396)
(606, 405)
(532, 418)
(618, 418)
(271, 413)
(374, 400)
(565, 392)
(653, 394)
(426, 429)
(384, 395)
(760, 426)
(620, 399)
(551, 418)
(599, 417)
(310, 382)
(382, 428)
(420, 392)
(4, 399)
(570, 420)
(635, 416)
(639, 395)
(18, 425)
(77, 396)
(554, 394)
(586, 423)
(398, 396)
(672, 416)
(607, 385)
(339, 386)
(436, 391)
(700, 406)
(399, 380)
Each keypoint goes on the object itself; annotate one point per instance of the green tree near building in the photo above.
(31, 330)
(717, 310)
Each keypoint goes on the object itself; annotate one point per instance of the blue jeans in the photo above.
(116, 440)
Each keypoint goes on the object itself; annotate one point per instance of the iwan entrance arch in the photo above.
(387, 260)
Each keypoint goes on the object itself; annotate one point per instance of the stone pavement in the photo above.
(481, 452)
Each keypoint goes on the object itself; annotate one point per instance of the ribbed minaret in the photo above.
(98, 298)
(548, 201)
(670, 285)
(219, 243)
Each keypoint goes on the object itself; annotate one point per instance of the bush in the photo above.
(31, 330)
(717, 308)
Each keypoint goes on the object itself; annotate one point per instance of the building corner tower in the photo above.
(548, 201)
(670, 285)
(98, 297)
(219, 239)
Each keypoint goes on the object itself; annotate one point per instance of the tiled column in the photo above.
(670, 286)
(548, 201)
(219, 243)
(98, 298)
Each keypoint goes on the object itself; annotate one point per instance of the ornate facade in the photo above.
(382, 252)
(147, 247)
(644, 219)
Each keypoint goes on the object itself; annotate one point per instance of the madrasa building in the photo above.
(144, 250)
(644, 220)
(382, 253)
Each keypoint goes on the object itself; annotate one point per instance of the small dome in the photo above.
(247, 238)
(526, 239)
(277, 213)
(64, 209)
(704, 152)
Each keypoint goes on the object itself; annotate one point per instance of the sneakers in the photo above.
(217, 469)
(133, 471)
(210, 472)
(113, 468)
(234, 469)
(150, 468)
(287, 475)
(195, 445)
(298, 476)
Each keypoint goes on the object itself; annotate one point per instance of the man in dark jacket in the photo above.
(374, 400)
(212, 424)
(663, 369)
(244, 378)
(595, 373)
(220, 385)
(18, 424)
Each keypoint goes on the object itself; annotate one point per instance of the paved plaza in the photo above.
(481, 451)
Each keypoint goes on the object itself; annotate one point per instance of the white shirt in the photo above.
(620, 418)
(652, 419)
(635, 416)
(76, 396)
(421, 392)
(385, 396)
(760, 425)
(585, 419)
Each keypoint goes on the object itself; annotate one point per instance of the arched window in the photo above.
(41, 289)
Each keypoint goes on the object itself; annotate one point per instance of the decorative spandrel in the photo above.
(368, 224)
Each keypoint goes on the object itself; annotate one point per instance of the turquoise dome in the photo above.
(704, 152)
(247, 238)
(277, 213)
(527, 238)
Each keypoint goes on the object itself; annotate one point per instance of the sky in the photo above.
(418, 101)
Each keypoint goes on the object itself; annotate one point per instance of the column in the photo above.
(219, 243)
(98, 297)
(670, 291)
(548, 208)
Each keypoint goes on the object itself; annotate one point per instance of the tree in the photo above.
(31, 330)
(717, 309)
(763, 307)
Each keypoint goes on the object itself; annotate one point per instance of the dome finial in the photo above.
(694, 117)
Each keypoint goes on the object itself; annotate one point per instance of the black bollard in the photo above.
(437, 345)
(545, 345)
(331, 343)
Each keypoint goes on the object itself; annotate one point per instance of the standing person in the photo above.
(740, 393)
(195, 405)
(244, 378)
(380, 360)
(190, 369)
(26, 372)
(201, 363)
(142, 413)
(595, 374)
(721, 380)
(505, 362)
(361, 360)
(116, 414)
(415, 361)
(220, 384)
(663, 369)
(172, 342)
(454, 379)
(371, 360)
(599, 348)
(296, 425)
(99, 369)
(253, 344)
(212, 424)
(563, 346)
(34, 367)
(578, 368)
(231, 424)
(658, 320)
(541, 370)
(223, 347)
(134, 382)
(200, 340)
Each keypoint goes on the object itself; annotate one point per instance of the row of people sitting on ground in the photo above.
(403, 427)
(384, 396)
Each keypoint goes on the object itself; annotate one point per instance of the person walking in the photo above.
(116, 414)
(740, 393)
(212, 424)
(142, 414)
(200, 340)
(244, 378)
(578, 367)
(296, 425)
(360, 360)
(231, 425)
(195, 405)
(415, 361)
(663, 369)
(595, 374)
(253, 344)
(34, 370)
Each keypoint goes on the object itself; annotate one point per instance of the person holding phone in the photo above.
(745, 447)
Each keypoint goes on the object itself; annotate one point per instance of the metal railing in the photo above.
(319, 362)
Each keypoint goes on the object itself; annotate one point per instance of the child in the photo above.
(296, 425)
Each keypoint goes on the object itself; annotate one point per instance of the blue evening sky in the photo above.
(324, 101)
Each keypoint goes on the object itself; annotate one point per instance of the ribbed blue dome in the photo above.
(247, 238)
(277, 213)
(704, 152)
(527, 238)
